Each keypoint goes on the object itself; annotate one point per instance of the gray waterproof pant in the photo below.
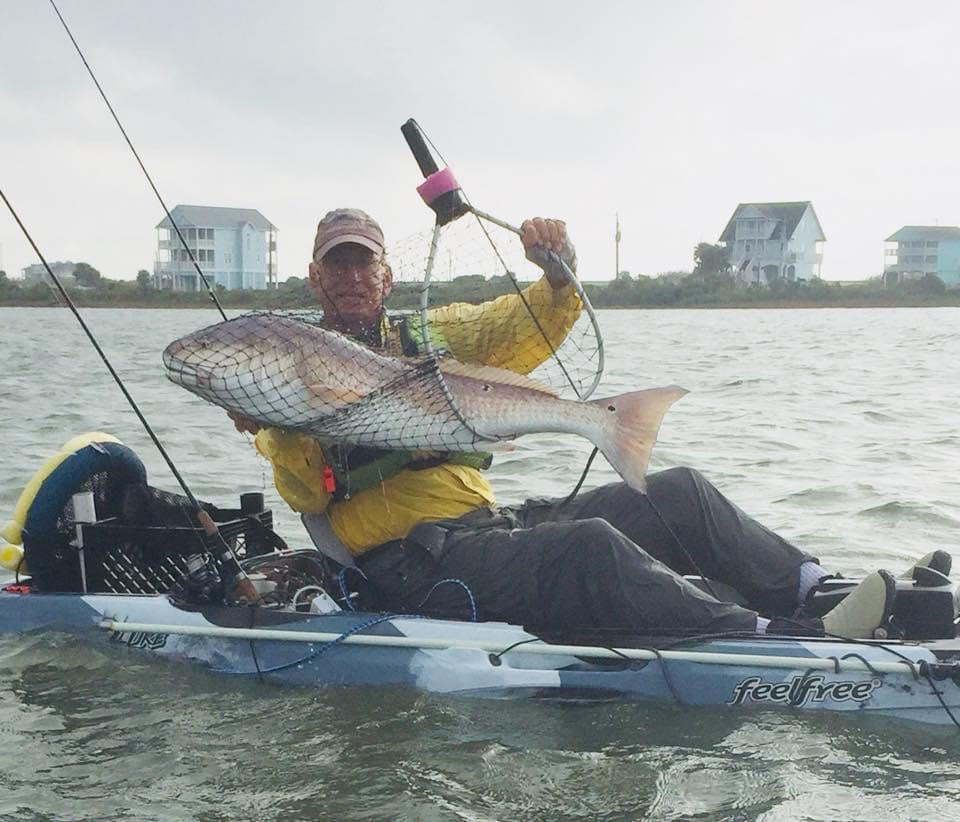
(605, 560)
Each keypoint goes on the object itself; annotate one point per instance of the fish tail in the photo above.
(629, 429)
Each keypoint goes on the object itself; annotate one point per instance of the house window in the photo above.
(749, 248)
(931, 258)
(931, 243)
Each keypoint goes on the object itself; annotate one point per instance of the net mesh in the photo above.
(427, 378)
(478, 263)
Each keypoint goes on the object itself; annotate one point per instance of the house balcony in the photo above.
(179, 267)
(174, 243)
(908, 268)
(793, 258)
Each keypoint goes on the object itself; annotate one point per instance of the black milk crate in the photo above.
(128, 559)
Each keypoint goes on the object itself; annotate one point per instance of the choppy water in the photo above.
(836, 427)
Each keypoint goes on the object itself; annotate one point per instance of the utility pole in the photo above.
(616, 274)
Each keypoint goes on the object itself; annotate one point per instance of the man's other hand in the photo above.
(540, 235)
(243, 424)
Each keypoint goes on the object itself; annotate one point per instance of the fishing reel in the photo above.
(297, 580)
(201, 585)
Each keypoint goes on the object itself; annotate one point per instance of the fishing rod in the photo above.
(226, 555)
(143, 168)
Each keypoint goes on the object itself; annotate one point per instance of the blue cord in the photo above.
(462, 584)
(348, 603)
(326, 647)
(342, 580)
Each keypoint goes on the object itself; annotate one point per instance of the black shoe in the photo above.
(802, 626)
(939, 561)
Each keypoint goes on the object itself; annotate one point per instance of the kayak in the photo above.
(917, 681)
(126, 565)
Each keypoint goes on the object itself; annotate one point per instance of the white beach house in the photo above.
(774, 240)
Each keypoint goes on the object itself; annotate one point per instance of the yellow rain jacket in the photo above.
(501, 333)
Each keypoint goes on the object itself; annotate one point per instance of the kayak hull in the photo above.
(448, 660)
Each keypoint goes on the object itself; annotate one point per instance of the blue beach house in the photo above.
(917, 250)
(235, 248)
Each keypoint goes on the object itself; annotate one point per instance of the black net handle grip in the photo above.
(449, 205)
(414, 137)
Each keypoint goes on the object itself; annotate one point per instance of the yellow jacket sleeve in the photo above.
(297, 468)
(502, 332)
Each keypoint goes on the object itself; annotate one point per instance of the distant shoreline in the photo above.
(939, 302)
(766, 304)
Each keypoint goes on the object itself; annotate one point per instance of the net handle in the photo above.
(577, 286)
(428, 342)
(441, 191)
(418, 147)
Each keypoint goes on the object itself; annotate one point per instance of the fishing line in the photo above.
(583, 476)
(682, 547)
(143, 168)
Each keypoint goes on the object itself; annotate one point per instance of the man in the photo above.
(424, 530)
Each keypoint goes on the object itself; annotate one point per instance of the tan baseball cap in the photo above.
(347, 225)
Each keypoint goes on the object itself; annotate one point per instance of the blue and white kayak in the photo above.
(914, 681)
(106, 577)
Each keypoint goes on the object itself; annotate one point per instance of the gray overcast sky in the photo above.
(668, 112)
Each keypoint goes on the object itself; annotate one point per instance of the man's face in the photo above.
(350, 282)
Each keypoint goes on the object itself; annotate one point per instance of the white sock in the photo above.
(762, 625)
(810, 575)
